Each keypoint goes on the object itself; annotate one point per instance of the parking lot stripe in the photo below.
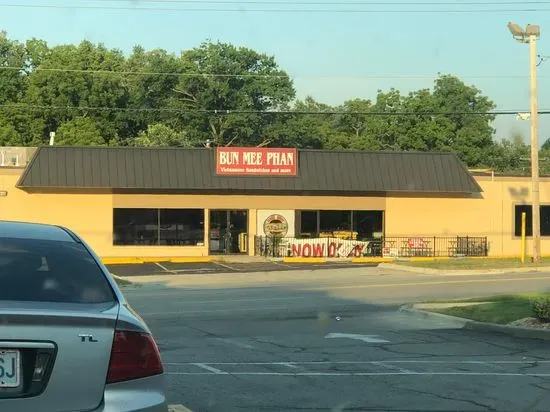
(388, 361)
(499, 374)
(226, 266)
(290, 365)
(163, 267)
(235, 343)
(214, 371)
(178, 408)
(394, 367)
(194, 270)
(279, 263)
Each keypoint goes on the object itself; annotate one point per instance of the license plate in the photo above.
(9, 368)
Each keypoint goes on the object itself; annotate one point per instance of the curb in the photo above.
(467, 324)
(428, 271)
(304, 260)
(371, 260)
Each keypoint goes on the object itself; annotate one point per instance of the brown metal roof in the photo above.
(193, 170)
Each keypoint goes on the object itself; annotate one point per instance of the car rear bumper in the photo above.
(140, 395)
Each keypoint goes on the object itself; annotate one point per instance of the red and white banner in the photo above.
(323, 247)
(256, 161)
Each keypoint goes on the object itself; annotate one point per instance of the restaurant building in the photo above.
(179, 202)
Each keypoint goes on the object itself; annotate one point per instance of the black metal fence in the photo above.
(396, 247)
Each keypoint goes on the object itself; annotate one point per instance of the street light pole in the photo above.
(530, 35)
(534, 149)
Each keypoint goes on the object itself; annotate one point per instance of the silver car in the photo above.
(69, 341)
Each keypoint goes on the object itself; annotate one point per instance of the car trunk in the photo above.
(63, 353)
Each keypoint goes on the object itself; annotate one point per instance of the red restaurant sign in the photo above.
(256, 161)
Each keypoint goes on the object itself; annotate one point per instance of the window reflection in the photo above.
(167, 227)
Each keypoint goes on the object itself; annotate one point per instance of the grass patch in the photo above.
(500, 309)
(475, 263)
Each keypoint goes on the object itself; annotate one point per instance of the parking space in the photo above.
(167, 268)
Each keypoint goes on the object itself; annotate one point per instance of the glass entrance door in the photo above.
(228, 231)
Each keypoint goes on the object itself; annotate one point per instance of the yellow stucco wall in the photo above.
(491, 214)
(90, 215)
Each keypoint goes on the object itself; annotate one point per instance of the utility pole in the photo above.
(530, 35)
(535, 149)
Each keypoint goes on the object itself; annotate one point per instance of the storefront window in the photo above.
(544, 220)
(367, 224)
(181, 227)
(345, 224)
(135, 226)
(308, 223)
(335, 223)
(168, 227)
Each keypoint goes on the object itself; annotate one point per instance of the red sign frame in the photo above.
(256, 161)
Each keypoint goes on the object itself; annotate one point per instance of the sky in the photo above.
(352, 51)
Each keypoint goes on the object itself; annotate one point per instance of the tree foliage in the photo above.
(159, 134)
(81, 131)
(92, 95)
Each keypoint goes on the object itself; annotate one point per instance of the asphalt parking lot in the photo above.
(336, 341)
(169, 268)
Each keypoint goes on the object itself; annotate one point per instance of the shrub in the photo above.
(541, 309)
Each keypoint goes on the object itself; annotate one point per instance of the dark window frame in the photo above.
(158, 229)
(528, 208)
(353, 218)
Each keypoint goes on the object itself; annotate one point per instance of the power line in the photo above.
(258, 75)
(273, 10)
(339, 3)
(126, 72)
(266, 112)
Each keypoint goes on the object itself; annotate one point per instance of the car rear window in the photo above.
(50, 271)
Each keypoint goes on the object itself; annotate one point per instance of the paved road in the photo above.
(333, 340)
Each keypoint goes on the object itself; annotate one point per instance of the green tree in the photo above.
(354, 121)
(80, 131)
(149, 89)
(239, 83)
(509, 155)
(77, 89)
(231, 95)
(13, 58)
(385, 127)
(307, 128)
(546, 145)
(421, 129)
(160, 135)
(8, 134)
(471, 131)
(354, 129)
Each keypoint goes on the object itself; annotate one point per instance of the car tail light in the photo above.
(134, 355)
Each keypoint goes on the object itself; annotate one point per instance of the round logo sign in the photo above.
(276, 225)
